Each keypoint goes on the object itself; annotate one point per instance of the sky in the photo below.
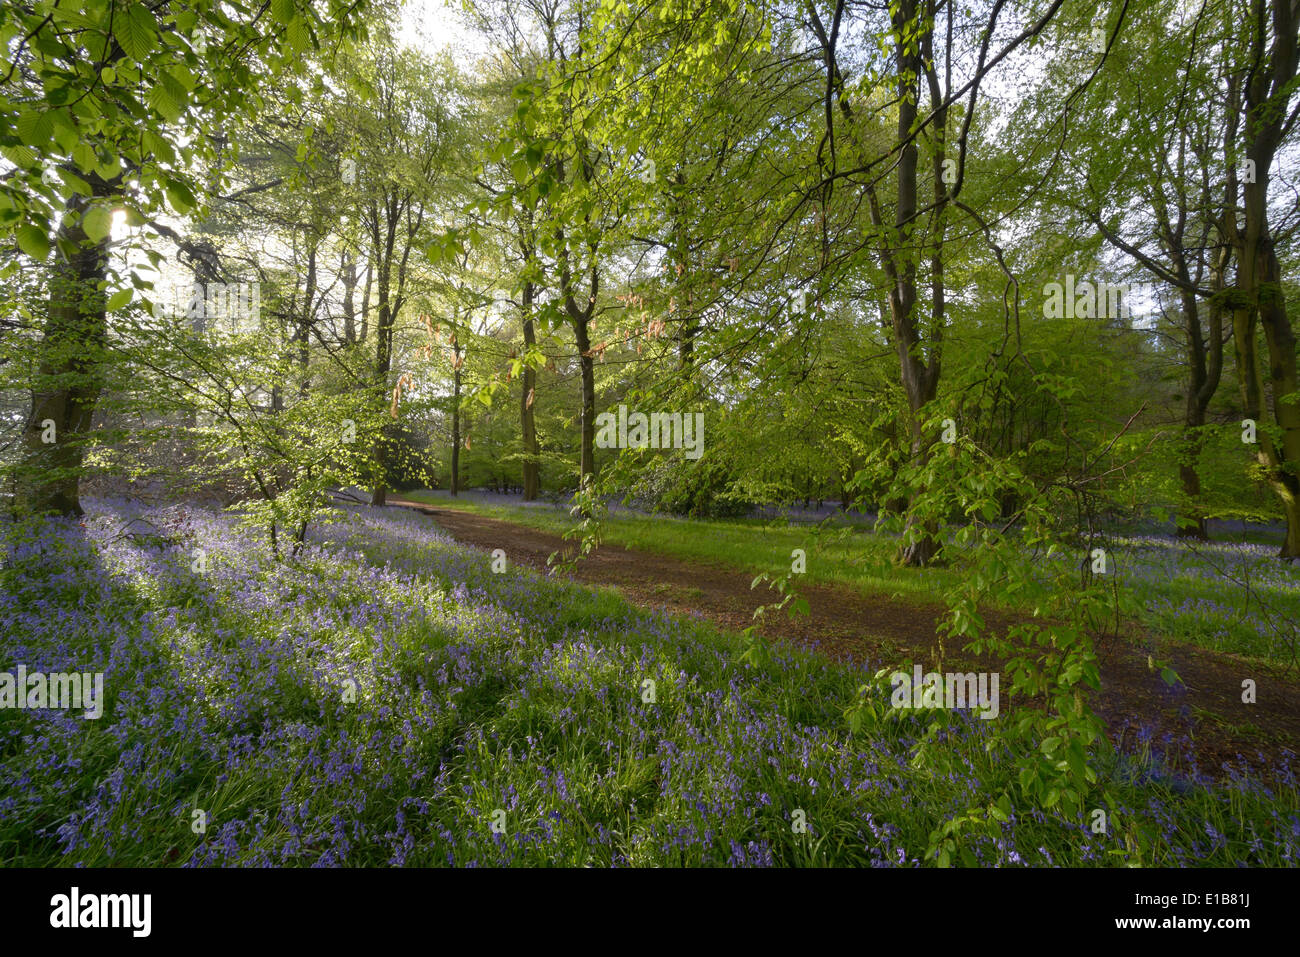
(432, 25)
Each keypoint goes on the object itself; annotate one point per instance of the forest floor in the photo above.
(1199, 725)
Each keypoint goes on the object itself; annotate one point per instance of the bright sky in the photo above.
(434, 24)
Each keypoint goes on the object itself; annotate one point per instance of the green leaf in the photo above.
(76, 183)
(33, 241)
(1077, 764)
(1026, 779)
(284, 11)
(65, 131)
(98, 223)
(182, 76)
(21, 156)
(180, 196)
(48, 44)
(162, 99)
(158, 146)
(174, 87)
(134, 29)
(34, 128)
(119, 299)
(299, 35)
(110, 168)
(83, 154)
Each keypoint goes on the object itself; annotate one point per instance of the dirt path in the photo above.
(1202, 720)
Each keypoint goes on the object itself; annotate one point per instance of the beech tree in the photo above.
(103, 100)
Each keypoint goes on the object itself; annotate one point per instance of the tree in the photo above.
(405, 137)
(98, 94)
(1266, 77)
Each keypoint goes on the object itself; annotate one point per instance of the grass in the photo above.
(851, 555)
(1189, 593)
(387, 700)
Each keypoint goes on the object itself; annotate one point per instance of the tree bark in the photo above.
(920, 380)
(365, 303)
(455, 421)
(1259, 275)
(71, 373)
(383, 335)
(527, 403)
(1204, 374)
(305, 324)
(581, 319)
(348, 275)
(689, 328)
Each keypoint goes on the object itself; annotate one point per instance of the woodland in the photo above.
(621, 432)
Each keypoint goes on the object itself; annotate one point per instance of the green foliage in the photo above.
(1037, 556)
(757, 651)
(695, 489)
(685, 212)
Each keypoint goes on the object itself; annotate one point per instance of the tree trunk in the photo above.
(1281, 457)
(1193, 524)
(527, 401)
(455, 423)
(920, 381)
(383, 356)
(348, 276)
(689, 327)
(580, 319)
(1260, 298)
(71, 374)
(365, 304)
(588, 459)
(304, 325)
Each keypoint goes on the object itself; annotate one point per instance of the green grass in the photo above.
(480, 693)
(851, 555)
(1182, 597)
